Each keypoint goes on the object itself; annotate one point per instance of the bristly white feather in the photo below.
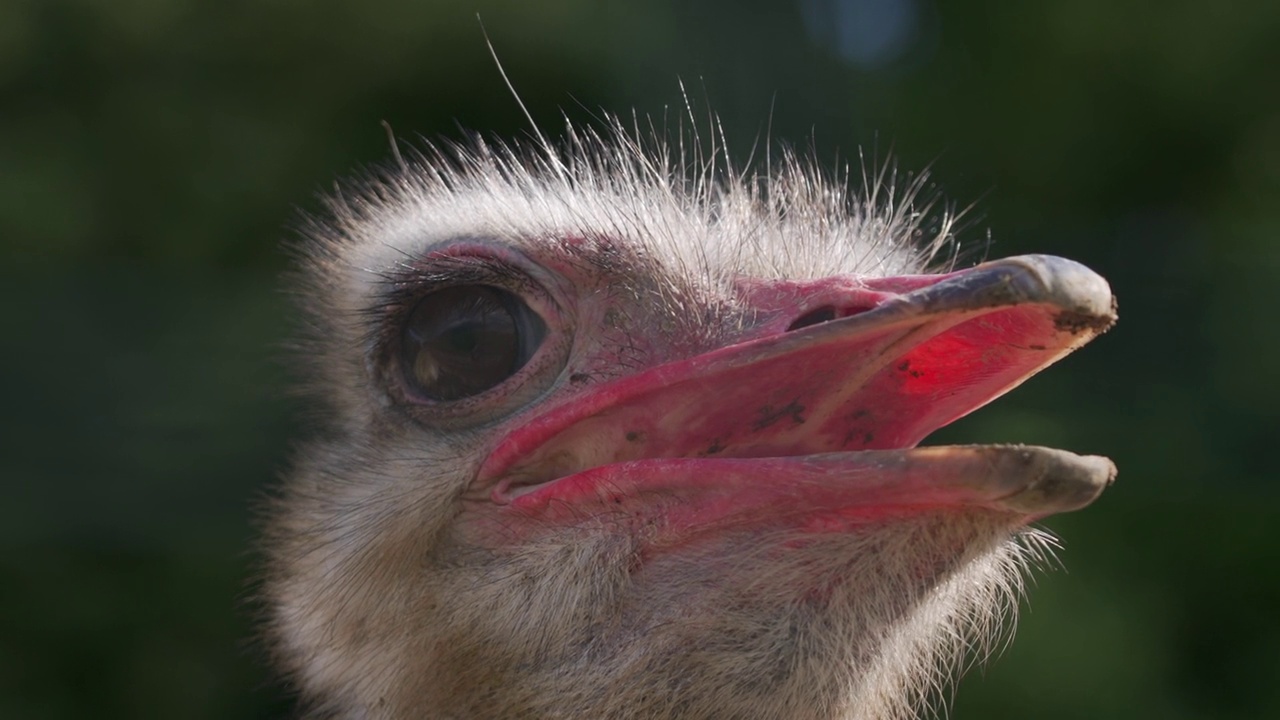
(685, 203)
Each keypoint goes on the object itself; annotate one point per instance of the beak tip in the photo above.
(1067, 284)
(1063, 482)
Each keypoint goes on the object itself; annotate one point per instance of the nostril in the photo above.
(813, 317)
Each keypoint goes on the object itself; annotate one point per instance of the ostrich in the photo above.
(611, 430)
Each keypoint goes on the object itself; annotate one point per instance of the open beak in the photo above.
(819, 424)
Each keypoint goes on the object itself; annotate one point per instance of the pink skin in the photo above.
(777, 429)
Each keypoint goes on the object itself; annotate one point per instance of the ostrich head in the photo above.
(614, 432)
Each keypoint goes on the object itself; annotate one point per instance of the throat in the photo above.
(746, 625)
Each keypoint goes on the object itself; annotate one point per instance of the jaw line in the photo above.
(790, 421)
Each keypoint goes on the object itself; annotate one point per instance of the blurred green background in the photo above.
(153, 154)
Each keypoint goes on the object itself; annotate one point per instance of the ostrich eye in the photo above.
(464, 340)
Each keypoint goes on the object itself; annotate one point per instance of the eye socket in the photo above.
(464, 340)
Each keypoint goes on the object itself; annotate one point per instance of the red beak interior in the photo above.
(818, 424)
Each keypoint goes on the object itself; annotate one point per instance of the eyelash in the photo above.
(408, 283)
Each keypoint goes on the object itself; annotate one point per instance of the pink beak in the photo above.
(811, 422)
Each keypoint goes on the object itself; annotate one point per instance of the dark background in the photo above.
(153, 154)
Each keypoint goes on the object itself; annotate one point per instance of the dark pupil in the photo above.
(464, 340)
